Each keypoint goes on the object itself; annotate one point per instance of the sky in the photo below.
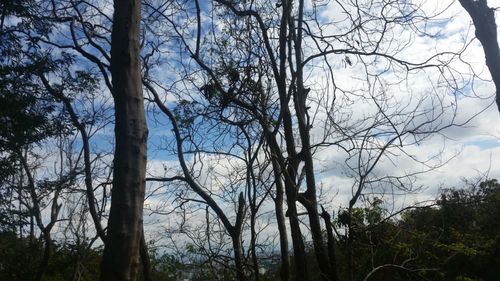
(468, 151)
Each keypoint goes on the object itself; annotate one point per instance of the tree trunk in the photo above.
(235, 233)
(280, 218)
(253, 245)
(122, 248)
(309, 197)
(331, 244)
(301, 272)
(350, 250)
(297, 240)
(146, 263)
(486, 31)
(238, 256)
(47, 253)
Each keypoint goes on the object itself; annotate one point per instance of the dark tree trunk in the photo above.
(254, 208)
(238, 257)
(288, 167)
(300, 260)
(299, 248)
(301, 271)
(289, 175)
(308, 199)
(47, 253)
(253, 246)
(146, 263)
(280, 218)
(331, 244)
(86, 155)
(235, 233)
(123, 242)
(350, 242)
(483, 18)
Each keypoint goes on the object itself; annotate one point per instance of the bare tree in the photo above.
(257, 57)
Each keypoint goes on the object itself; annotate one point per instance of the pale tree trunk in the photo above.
(121, 257)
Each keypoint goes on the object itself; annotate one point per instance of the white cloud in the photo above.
(467, 150)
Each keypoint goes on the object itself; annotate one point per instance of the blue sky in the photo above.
(469, 151)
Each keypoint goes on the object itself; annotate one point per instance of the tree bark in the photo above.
(308, 198)
(145, 260)
(236, 237)
(280, 218)
(330, 244)
(47, 254)
(253, 244)
(299, 249)
(238, 257)
(483, 18)
(121, 257)
(287, 171)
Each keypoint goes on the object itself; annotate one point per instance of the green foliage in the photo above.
(186, 113)
(24, 119)
(19, 258)
(458, 239)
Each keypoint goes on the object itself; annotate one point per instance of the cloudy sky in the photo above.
(468, 150)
